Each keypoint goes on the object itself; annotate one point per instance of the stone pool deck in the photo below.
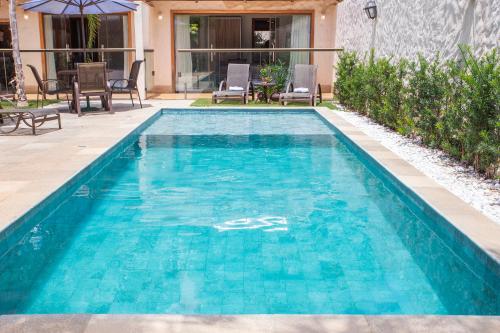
(32, 167)
(35, 166)
(246, 324)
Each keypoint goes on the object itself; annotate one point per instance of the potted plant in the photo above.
(266, 74)
(277, 73)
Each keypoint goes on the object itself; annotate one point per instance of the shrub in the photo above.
(345, 77)
(451, 105)
(481, 98)
(425, 98)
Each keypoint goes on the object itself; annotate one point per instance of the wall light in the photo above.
(160, 16)
(323, 17)
(371, 9)
(26, 16)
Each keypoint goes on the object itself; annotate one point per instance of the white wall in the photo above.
(405, 28)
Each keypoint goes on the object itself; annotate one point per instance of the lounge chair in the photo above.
(32, 118)
(48, 87)
(304, 87)
(236, 86)
(92, 81)
(127, 86)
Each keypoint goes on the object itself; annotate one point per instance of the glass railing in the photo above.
(60, 63)
(202, 70)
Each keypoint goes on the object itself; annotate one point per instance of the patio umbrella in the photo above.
(79, 7)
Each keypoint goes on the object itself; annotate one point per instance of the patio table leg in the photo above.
(33, 126)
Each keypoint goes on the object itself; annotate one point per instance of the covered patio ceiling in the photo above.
(325, 1)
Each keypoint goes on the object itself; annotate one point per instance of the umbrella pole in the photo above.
(83, 34)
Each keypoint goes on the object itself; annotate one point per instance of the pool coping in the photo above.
(247, 323)
(13, 231)
(482, 231)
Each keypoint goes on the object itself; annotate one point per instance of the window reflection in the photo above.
(63, 31)
(204, 71)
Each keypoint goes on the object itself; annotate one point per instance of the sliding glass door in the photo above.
(63, 31)
(202, 71)
(224, 33)
(7, 63)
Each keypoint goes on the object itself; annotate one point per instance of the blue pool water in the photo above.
(239, 213)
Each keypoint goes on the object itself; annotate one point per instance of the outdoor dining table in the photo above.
(266, 89)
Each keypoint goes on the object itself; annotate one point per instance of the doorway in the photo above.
(64, 31)
(7, 73)
(203, 71)
(224, 33)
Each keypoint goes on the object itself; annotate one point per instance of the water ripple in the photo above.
(269, 223)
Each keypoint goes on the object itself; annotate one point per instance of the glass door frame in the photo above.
(173, 13)
(5, 21)
(43, 44)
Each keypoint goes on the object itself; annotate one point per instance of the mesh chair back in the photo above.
(92, 77)
(134, 74)
(305, 77)
(237, 75)
(37, 76)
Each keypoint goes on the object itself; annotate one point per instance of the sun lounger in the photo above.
(236, 86)
(33, 118)
(304, 87)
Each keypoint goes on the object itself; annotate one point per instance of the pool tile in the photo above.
(157, 230)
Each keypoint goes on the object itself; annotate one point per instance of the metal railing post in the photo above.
(5, 72)
(67, 56)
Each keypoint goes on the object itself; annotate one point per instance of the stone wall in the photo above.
(405, 28)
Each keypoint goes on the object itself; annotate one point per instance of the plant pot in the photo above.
(260, 96)
(275, 97)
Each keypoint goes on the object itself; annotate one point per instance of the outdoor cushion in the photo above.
(301, 90)
(235, 88)
(295, 95)
(228, 93)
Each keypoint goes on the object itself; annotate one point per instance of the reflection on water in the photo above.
(268, 223)
(83, 191)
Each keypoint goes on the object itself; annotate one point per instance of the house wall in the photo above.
(157, 33)
(29, 38)
(160, 31)
(406, 28)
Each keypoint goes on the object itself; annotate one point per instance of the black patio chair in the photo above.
(127, 86)
(48, 87)
(92, 81)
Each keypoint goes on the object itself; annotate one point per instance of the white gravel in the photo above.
(464, 182)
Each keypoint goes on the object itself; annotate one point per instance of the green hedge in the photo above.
(452, 105)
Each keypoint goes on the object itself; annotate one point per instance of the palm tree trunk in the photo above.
(16, 55)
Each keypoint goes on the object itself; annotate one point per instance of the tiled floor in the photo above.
(35, 166)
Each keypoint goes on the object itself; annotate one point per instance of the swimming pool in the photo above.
(238, 212)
